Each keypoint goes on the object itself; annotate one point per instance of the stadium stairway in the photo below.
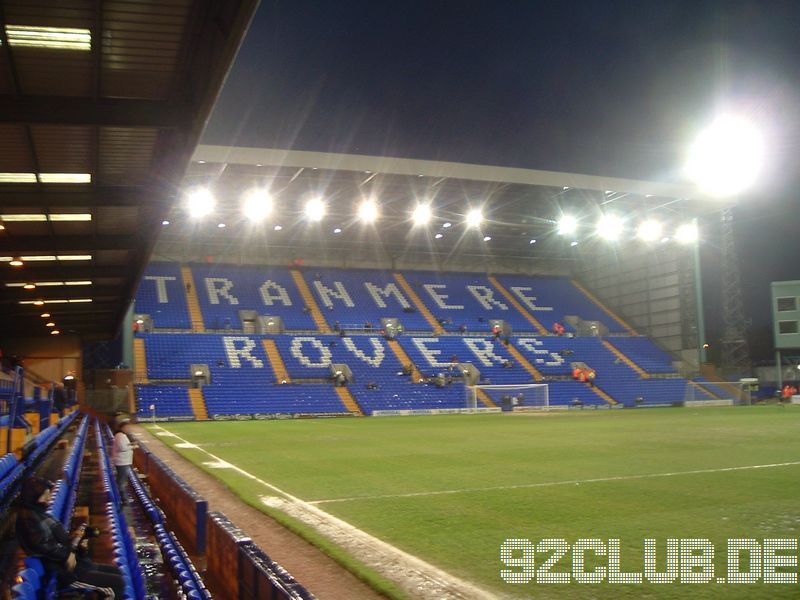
(523, 362)
(198, 404)
(311, 303)
(405, 359)
(435, 325)
(515, 303)
(602, 394)
(276, 361)
(139, 361)
(349, 402)
(604, 308)
(705, 388)
(483, 397)
(624, 358)
(191, 300)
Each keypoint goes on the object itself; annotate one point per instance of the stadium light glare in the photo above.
(368, 211)
(727, 157)
(315, 209)
(200, 202)
(610, 227)
(257, 205)
(446, 225)
(573, 243)
(475, 217)
(439, 236)
(649, 231)
(686, 233)
(567, 224)
(487, 238)
(337, 230)
(422, 214)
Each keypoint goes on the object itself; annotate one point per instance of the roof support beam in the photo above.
(11, 245)
(95, 196)
(116, 112)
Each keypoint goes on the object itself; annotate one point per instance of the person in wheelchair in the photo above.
(44, 537)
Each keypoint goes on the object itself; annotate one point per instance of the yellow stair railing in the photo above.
(349, 402)
(624, 358)
(604, 308)
(198, 404)
(483, 397)
(537, 376)
(412, 295)
(139, 361)
(405, 360)
(195, 314)
(311, 303)
(516, 304)
(276, 361)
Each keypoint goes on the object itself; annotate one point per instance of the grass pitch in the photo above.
(451, 489)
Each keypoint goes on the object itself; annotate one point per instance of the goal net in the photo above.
(509, 397)
(736, 392)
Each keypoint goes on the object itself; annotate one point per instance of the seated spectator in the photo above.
(462, 328)
(372, 385)
(576, 373)
(507, 364)
(558, 329)
(43, 537)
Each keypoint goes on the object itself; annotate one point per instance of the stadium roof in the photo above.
(519, 205)
(101, 106)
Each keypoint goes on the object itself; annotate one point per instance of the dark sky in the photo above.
(606, 87)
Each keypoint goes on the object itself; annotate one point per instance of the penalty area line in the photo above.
(523, 486)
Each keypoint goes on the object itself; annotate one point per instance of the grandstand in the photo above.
(326, 321)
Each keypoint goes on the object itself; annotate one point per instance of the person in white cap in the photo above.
(122, 458)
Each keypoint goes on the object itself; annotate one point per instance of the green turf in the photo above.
(462, 532)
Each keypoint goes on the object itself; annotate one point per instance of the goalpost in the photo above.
(528, 396)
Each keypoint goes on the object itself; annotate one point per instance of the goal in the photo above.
(509, 397)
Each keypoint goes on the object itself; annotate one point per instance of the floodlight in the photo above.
(45, 315)
(532, 242)
(368, 211)
(165, 222)
(649, 231)
(277, 228)
(609, 227)
(439, 236)
(487, 238)
(422, 214)
(337, 230)
(475, 217)
(200, 202)
(567, 224)
(446, 225)
(257, 205)
(727, 157)
(54, 332)
(686, 233)
(49, 324)
(315, 209)
(573, 243)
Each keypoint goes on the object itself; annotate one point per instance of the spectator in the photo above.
(558, 329)
(43, 537)
(496, 330)
(59, 398)
(462, 328)
(122, 458)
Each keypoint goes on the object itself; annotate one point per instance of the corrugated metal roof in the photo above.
(101, 125)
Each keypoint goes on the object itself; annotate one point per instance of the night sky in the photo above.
(603, 87)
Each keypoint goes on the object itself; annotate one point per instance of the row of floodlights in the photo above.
(257, 205)
(612, 228)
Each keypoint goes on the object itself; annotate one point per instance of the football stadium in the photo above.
(249, 372)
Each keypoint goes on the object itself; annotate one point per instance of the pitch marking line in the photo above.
(426, 580)
(554, 483)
